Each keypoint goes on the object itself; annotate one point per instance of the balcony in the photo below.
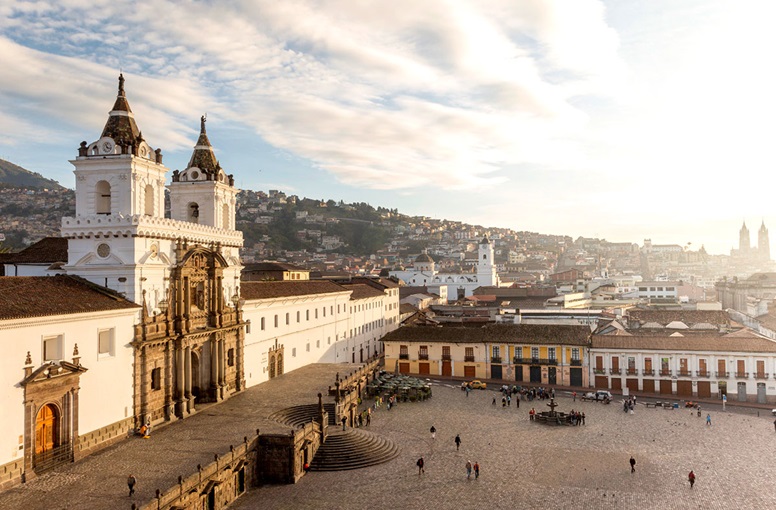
(576, 363)
(404, 355)
(447, 357)
(631, 371)
(614, 371)
(702, 373)
(666, 373)
(599, 371)
(423, 355)
(648, 371)
(761, 375)
(495, 359)
(723, 375)
(470, 359)
(742, 375)
(684, 373)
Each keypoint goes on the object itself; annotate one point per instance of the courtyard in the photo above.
(525, 464)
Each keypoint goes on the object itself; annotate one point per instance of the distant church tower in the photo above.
(486, 267)
(743, 241)
(763, 243)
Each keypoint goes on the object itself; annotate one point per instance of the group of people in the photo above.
(470, 466)
(576, 418)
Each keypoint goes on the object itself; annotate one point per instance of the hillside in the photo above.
(16, 176)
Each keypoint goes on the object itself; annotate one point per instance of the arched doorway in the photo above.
(195, 378)
(271, 366)
(46, 429)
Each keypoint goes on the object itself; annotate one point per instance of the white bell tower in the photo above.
(486, 267)
(203, 193)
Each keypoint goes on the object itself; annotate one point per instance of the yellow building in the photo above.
(528, 353)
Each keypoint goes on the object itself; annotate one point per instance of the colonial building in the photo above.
(516, 353)
(144, 317)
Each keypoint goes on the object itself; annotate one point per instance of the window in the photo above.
(469, 356)
(446, 352)
(403, 352)
(105, 342)
(276, 321)
(551, 353)
(575, 354)
(318, 343)
(52, 348)
(496, 351)
(664, 364)
(324, 311)
(156, 379)
(288, 319)
(230, 357)
(102, 198)
(631, 365)
(316, 313)
(308, 346)
(293, 352)
(298, 314)
(534, 352)
(263, 324)
(423, 352)
(331, 310)
(307, 315)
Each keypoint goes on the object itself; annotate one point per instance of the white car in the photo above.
(598, 395)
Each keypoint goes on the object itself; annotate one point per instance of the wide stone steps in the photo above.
(299, 415)
(353, 449)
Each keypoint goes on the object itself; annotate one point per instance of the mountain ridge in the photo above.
(14, 175)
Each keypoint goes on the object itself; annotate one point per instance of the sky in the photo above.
(617, 120)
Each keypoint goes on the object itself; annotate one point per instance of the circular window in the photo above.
(103, 250)
(195, 175)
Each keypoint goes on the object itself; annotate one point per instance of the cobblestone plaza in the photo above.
(523, 464)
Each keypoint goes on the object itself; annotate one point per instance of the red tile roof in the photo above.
(362, 290)
(276, 289)
(46, 251)
(685, 343)
(38, 296)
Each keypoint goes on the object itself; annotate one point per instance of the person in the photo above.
(494, 400)
(633, 464)
(708, 420)
(344, 422)
(420, 464)
(131, 481)
(476, 470)
(774, 424)
(517, 402)
(574, 394)
(306, 467)
(583, 418)
(509, 400)
(433, 432)
(468, 469)
(691, 478)
(147, 430)
(503, 401)
(457, 442)
(531, 414)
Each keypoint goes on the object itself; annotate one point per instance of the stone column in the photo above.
(187, 379)
(214, 369)
(222, 367)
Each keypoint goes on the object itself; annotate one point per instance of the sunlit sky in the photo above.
(619, 120)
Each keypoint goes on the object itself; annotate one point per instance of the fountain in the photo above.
(552, 416)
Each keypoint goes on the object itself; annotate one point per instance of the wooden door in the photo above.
(424, 369)
(447, 368)
(721, 368)
(760, 368)
(404, 368)
(704, 389)
(615, 364)
(666, 387)
(469, 371)
(616, 384)
(45, 429)
(649, 385)
(684, 388)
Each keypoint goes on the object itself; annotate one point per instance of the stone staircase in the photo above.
(353, 449)
(343, 450)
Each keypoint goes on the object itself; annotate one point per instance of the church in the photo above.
(454, 286)
(148, 317)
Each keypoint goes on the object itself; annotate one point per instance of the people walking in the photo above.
(691, 479)
(421, 463)
(457, 442)
(476, 470)
(344, 422)
(708, 420)
(433, 432)
(574, 395)
(468, 469)
(633, 464)
(131, 481)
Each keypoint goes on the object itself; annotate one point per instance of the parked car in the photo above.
(477, 385)
(599, 395)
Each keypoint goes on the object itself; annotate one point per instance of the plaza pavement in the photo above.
(523, 464)
(530, 465)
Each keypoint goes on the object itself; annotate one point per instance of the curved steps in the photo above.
(299, 415)
(353, 449)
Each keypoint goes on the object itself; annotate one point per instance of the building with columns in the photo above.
(147, 317)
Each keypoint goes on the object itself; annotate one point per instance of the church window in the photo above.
(297, 315)
(308, 346)
(316, 313)
(149, 200)
(52, 348)
(263, 324)
(324, 311)
(276, 321)
(230, 357)
(193, 213)
(105, 342)
(293, 352)
(318, 343)
(102, 198)
(288, 319)
(307, 315)
(156, 379)
(225, 215)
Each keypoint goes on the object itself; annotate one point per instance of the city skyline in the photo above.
(589, 118)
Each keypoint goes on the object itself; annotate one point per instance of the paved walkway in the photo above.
(530, 465)
(99, 481)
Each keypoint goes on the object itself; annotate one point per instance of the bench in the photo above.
(652, 404)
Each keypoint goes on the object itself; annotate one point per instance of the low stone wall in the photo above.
(11, 474)
(102, 438)
(215, 485)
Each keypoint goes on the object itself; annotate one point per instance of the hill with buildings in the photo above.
(16, 176)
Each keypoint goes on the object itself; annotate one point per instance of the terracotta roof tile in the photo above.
(38, 296)
(505, 333)
(362, 290)
(46, 251)
(685, 343)
(276, 289)
(689, 317)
